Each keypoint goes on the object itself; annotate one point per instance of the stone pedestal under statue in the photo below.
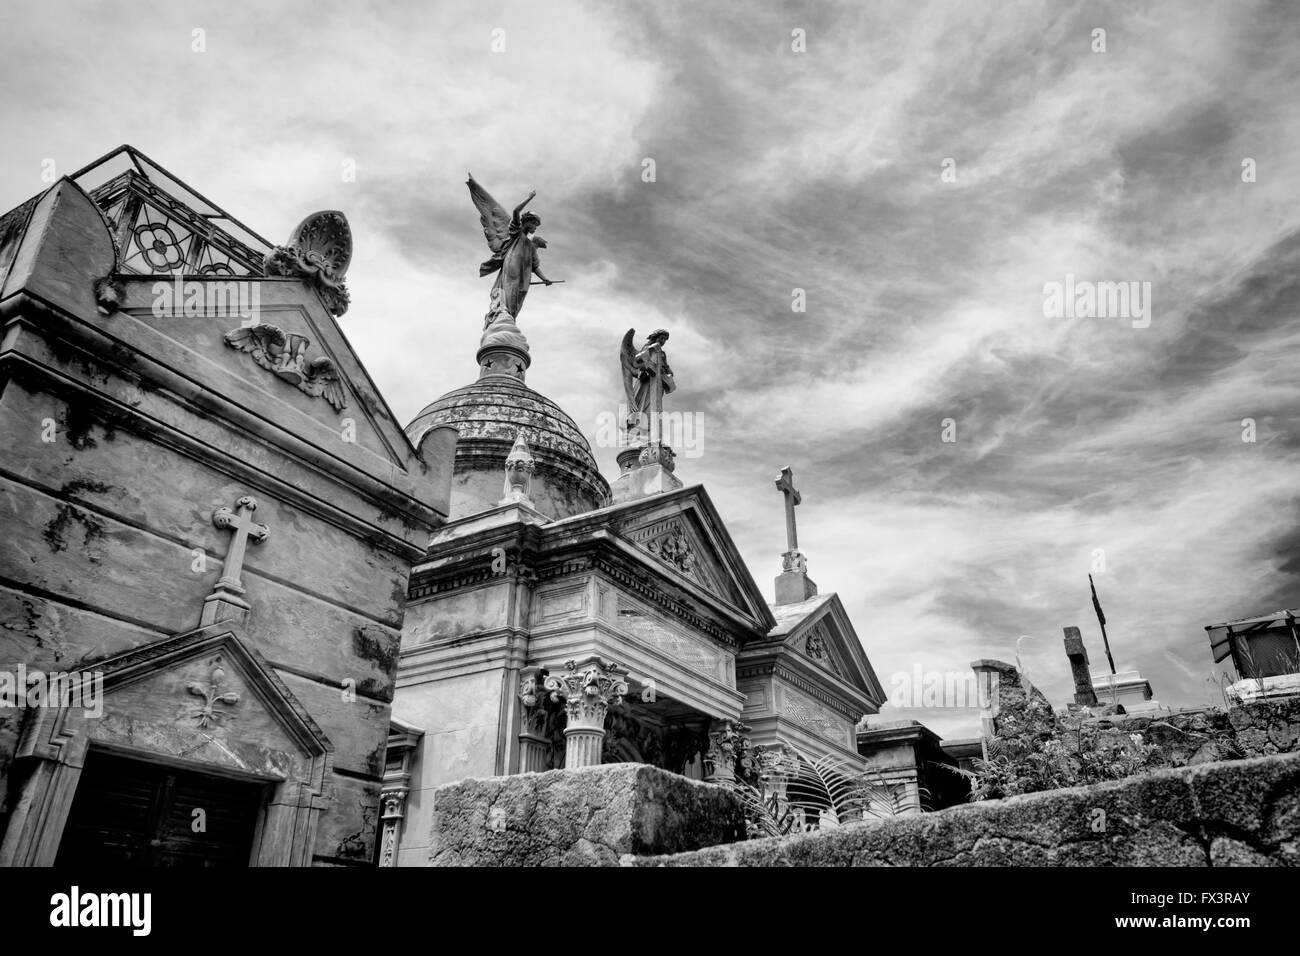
(643, 471)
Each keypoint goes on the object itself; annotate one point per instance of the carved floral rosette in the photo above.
(588, 688)
(674, 547)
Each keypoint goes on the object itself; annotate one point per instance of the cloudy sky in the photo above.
(821, 170)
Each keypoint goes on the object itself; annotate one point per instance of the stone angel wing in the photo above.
(495, 220)
(627, 359)
(266, 343)
(323, 380)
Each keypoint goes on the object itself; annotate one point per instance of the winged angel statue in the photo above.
(514, 242)
(647, 377)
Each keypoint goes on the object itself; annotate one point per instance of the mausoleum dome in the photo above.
(488, 415)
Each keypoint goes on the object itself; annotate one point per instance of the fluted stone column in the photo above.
(589, 687)
(532, 720)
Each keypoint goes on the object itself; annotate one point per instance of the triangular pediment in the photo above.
(253, 327)
(684, 536)
(678, 541)
(205, 697)
(818, 634)
(822, 647)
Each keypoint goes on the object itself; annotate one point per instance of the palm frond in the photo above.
(824, 791)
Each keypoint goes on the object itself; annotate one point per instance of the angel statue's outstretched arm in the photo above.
(520, 208)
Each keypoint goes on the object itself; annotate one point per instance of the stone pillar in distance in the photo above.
(589, 687)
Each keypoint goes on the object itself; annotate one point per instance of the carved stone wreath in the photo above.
(675, 548)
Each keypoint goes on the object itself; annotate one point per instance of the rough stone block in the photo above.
(1235, 813)
(586, 817)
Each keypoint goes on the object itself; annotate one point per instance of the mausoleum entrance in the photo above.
(134, 813)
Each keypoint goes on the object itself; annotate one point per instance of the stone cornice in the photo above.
(612, 520)
(468, 562)
(23, 309)
(852, 712)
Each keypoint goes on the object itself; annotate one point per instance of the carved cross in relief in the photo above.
(240, 521)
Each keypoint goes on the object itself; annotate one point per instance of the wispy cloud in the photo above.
(820, 170)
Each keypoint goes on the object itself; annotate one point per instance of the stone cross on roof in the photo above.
(785, 485)
(792, 584)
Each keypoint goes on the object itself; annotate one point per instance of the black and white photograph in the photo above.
(677, 435)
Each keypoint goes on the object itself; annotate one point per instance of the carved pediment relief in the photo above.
(201, 697)
(817, 644)
(284, 354)
(677, 544)
(672, 546)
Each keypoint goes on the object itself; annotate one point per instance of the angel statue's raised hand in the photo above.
(514, 242)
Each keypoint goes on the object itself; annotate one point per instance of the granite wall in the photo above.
(591, 816)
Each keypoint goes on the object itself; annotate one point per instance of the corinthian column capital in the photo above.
(589, 688)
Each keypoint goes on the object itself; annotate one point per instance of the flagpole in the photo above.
(1101, 619)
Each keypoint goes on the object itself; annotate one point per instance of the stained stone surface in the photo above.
(488, 414)
(1220, 814)
(591, 816)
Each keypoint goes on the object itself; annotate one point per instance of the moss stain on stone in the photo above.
(56, 529)
(377, 646)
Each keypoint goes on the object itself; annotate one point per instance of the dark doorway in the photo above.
(136, 814)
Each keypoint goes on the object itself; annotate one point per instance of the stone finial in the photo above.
(319, 251)
(519, 473)
(588, 688)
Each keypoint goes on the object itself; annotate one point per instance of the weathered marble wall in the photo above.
(123, 432)
(463, 716)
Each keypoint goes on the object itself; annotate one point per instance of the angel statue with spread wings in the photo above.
(646, 379)
(514, 242)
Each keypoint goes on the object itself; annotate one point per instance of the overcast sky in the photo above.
(818, 170)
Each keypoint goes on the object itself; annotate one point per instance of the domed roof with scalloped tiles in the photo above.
(488, 414)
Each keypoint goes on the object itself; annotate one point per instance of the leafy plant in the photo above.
(1036, 750)
(791, 792)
